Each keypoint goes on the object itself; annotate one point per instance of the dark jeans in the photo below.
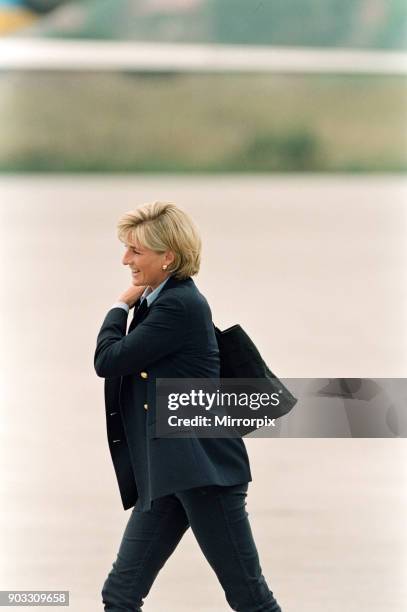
(220, 524)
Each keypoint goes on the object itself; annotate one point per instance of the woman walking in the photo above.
(171, 483)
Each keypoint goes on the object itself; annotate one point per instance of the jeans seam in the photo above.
(149, 549)
(235, 548)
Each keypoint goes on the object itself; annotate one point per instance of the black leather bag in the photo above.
(240, 358)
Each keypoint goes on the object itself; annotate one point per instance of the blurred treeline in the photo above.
(133, 122)
(378, 24)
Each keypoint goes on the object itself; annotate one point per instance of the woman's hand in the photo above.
(131, 295)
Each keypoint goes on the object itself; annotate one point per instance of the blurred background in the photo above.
(280, 126)
(340, 106)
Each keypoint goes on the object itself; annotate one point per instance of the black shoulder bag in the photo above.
(240, 358)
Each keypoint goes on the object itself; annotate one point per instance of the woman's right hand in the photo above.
(131, 295)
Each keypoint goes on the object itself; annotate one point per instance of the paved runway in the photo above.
(314, 269)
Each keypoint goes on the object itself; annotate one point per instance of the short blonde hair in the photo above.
(162, 226)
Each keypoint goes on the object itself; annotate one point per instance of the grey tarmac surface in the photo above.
(315, 269)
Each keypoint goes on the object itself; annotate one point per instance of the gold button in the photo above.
(143, 374)
(145, 406)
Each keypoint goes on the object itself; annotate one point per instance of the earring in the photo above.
(164, 267)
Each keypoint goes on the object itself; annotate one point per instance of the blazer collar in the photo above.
(172, 282)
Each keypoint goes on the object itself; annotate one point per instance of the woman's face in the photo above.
(146, 265)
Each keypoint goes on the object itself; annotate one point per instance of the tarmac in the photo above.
(314, 268)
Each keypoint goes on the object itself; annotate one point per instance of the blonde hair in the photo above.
(162, 226)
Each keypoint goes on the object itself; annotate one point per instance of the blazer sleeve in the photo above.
(161, 333)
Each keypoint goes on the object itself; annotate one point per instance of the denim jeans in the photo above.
(220, 524)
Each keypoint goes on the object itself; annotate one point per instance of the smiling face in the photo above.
(146, 266)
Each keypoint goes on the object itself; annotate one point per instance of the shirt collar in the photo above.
(151, 295)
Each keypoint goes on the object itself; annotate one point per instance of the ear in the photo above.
(169, 257)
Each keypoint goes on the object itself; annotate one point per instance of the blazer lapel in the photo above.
(140, 312)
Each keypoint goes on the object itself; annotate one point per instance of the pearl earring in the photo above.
(164, 267)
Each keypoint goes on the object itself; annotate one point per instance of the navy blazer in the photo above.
(174, 338)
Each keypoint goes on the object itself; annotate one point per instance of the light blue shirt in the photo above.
(148, 294)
